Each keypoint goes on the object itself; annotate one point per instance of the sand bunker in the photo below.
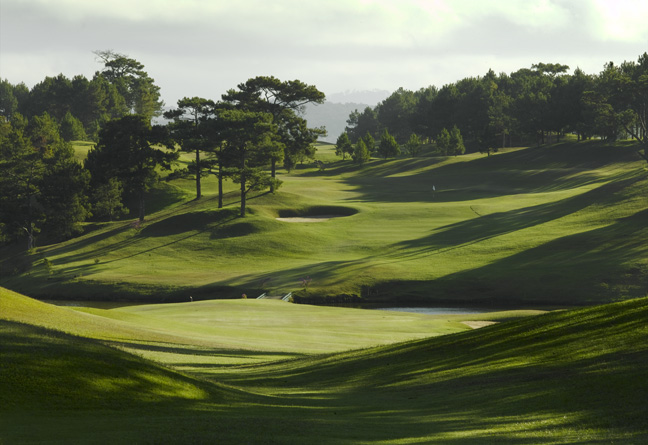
(298, 219)
(478, 324)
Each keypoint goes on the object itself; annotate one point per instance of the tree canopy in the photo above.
(284, 101)
(127, 151)
(43, 189)
(250, 138)
(190, 130)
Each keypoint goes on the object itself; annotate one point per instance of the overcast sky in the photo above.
(204, 47)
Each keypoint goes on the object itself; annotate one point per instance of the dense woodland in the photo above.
(530, 106)
(260, 125)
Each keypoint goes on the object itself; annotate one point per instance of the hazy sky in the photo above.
(204, 47)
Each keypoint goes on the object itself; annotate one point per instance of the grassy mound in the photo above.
(47, 369)
(566, 377)
(574, 376)
(562, 224)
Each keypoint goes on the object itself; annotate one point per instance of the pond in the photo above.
(438, 310)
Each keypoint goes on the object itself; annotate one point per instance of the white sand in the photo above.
(478, 324)
(321, 218)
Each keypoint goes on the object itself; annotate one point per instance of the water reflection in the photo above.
(437, 310)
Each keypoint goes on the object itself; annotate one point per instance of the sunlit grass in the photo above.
(562, 224)
(575, 376)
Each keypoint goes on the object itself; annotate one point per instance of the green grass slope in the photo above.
(561, 224)
(567, 377)
(47, 369)
(574, 376)
(223, 333)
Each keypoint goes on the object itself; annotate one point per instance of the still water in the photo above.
(437, 310)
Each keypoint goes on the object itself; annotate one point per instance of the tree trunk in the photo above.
(243, 192)
(220, 185)
(30, 236)
(273, 173)
(141, 205)
(198, 191)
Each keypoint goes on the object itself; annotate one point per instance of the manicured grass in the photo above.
(564, 224)
(81, 149)
(575, 376)
(229, 332)
(561, 224)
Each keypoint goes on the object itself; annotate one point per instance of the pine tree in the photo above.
(413, 145)
(369, 142)
(343, 146)
(388, 147)
(443, 142)
(361, 153)
(456, 142)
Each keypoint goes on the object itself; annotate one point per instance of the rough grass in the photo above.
(561, 224)
(575, 376)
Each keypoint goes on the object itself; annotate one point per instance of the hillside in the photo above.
(332, 116)
(563, 224)
(574, 376)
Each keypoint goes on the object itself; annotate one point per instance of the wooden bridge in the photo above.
(287, 297)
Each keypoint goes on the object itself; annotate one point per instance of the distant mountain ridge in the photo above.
(371, 97)
(332, 116)
(334, 113)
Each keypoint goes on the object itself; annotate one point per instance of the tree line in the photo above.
(530, 106)
(45, 189)
(81, 106)
(259, 124)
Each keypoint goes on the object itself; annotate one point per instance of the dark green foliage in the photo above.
(190, 129)
(456, 146)
(370, 142)
(443, 142)
(134, 84)
(531, 105)
(622, 100)
(343, 146)
(250, 139)
(360, 153)
(395, 113)
(64, 193)
(72, 128)
(22, 169)
(283, 101)
(91, 102)
(42, 187)
(360, 124)
(8, 102)
(107, 200)
(126, 151)
(388, 147)
(413, 145)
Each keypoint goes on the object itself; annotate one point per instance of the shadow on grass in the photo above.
(496, 224)
(196, 351)
(195, 223)
(531, 170)
(551, 378)
(45, 368)
(577, 377)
